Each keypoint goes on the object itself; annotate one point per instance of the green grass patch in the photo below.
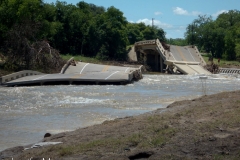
(129, 47)
(144, 139)
(81, 58)
(222, 63)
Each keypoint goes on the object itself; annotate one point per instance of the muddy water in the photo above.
(27, 113)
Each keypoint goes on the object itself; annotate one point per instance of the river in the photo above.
(27, 113)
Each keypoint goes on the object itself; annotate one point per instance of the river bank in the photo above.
(204, 128)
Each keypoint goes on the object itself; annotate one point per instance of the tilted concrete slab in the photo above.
(191, 69)
(16, 75)
(105, 77)
(188, 67)
(82, 67)
(186, 54)
(193, 62)
(82, 73)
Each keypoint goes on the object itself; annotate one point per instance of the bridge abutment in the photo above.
(161, 57)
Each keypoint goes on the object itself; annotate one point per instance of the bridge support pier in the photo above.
(156, 62)
(161, 64)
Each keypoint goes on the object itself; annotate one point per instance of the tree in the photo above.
(113, 35)
(217, 37)
(237, 48)
(16, 12)
(228, 19)
(23, 25)
(177, 41)
(199, 31)
(134, 33)
(230, 45)
(81, 29)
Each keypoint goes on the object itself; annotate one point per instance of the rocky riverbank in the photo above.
(204, 128)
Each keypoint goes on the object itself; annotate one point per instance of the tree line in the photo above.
(33, 33)
(81, 29)
(220, 37)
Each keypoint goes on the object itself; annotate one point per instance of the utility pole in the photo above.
(192, 35)
(152, 22)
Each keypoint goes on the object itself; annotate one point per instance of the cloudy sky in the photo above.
(171, 15)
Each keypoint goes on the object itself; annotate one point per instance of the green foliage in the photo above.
(66, 57)
(82, 29)
(139, 32)
(223, 63)
(219, 37)
(134, 33)
(177, 41)
(230, 53)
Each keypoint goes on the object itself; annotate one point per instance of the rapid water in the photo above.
(27, 113)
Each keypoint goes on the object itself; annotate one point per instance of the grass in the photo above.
(168, 130)
(141, 140)
(81, 58)
(156, 134)
(223, 63)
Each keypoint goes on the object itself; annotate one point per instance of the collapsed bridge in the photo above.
(166, 59)
(75, 73)
(174, 59)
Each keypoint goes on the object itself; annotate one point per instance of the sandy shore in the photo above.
(204, 128)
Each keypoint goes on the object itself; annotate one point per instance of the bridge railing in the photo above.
(203, 63)
(145, 42)
(13, 76)
(162, 51)
(164, 54)
(229, 70)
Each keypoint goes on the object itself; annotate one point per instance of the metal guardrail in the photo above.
(13, 76)
(229, 70)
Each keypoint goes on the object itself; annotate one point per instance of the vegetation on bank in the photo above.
(81, 58)
(33, 34)
(221, 62)
(81, 29)
(220, 37)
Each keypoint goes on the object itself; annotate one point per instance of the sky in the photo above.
(172, 16)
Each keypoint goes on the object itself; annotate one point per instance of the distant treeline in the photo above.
(29, 27)
(81, 29)
(220, 37)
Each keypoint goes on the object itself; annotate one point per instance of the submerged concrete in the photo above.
(76, 73)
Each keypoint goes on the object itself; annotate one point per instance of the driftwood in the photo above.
(165, 46)
(212, 67)
(23, 51)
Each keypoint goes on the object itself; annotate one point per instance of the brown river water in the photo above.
(27, 113)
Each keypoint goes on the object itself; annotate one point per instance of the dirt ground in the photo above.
(204, 128)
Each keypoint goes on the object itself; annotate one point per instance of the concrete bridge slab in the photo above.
(171, 57)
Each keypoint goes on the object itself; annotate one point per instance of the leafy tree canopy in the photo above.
(219, 37)
(81, 29)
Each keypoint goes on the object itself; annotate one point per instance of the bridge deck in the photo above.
(176, 54)
(182, 53)
(82, 73)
